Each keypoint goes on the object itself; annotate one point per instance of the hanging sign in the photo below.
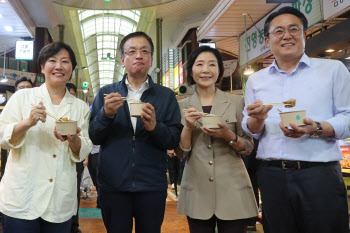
(229, 67)
(13, 75)
(332, 7)
(24, 50)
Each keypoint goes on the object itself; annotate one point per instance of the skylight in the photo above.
(102, 31)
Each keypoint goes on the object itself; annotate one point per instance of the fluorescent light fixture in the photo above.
(0, 16)
(8, 28)
(3, 79)
(248, 70)
(330, 50)
(210, 44)
(339, 50)
(3, 1)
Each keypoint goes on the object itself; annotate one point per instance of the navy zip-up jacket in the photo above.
(128, 161)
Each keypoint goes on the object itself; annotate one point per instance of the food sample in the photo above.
(64, 119)
(290, 103)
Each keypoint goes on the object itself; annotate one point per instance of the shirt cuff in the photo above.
(185, 150)
(247, 130)
(5, 143)
(341, 129)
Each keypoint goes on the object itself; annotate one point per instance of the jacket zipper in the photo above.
(133, 163)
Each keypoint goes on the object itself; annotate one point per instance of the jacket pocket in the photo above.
(230, 121)
(16, 182)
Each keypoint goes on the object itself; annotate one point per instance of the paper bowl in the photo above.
(136, 109)
(66, 127)
(211, 121)
(296, 117)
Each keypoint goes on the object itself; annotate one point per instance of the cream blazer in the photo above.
(215, 180)
(40, 179)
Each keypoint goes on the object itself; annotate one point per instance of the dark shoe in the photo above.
(76, 231)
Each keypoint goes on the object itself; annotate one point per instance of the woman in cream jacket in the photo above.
(215, 188)
(38, 190)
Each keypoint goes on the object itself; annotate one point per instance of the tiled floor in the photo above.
(173, 222)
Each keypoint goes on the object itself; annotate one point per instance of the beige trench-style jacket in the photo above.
(215, 180)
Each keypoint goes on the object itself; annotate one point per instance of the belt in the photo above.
(288, 164)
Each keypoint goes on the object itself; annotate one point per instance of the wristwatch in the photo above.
(319, 130)
(231, 143)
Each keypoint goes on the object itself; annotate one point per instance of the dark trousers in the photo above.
(173, 168)
(308, 200)
(92, 166)
(16, 225)
(119, 209)
(75, 218)
(2, 170)
(224, 226)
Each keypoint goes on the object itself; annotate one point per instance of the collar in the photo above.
(149, 80)
(304, 60)
(43, 93)
(144, 85)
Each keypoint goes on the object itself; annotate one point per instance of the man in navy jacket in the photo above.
(133, 154)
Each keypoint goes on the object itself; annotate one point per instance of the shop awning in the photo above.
(225, 23)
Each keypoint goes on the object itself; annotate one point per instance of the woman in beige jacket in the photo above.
(215, 188)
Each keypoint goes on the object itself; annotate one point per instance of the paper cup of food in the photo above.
(211, 121)
(296, 117)
(136, 109)
(66, 127)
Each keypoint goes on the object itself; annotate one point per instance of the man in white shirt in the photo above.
(300, 176)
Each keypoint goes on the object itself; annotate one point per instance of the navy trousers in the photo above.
(16, 225)
(308, 200)
(119, 209)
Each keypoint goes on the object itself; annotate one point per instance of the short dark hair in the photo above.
(133, 35)
(23, 79)
(192, 58)
(51, 49)
(283, 11)
(71, 86)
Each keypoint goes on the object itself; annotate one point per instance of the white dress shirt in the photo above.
(322, 88)
(40, 178)
(135, 94)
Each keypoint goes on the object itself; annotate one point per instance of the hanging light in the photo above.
(248, 70)
(3, 79)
